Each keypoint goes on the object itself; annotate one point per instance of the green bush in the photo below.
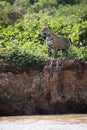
(22, 42)
(31, 53)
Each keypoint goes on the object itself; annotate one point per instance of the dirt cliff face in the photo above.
(59, 86)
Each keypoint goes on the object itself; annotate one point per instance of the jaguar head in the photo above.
(45, 31)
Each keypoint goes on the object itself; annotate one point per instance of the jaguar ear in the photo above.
(48, 26)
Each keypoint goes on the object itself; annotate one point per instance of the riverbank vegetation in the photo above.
(22, 20)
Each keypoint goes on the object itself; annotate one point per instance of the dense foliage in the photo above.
(22, 20)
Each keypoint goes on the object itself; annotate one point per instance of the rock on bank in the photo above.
(58, 86)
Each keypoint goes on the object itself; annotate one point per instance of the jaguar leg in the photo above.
(55, 53)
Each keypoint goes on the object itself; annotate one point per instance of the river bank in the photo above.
(58, 86)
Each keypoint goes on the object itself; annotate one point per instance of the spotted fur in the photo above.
(55, 42)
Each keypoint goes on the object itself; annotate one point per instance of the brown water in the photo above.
(53, 122)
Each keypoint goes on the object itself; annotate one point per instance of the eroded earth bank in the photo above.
(58, 86)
